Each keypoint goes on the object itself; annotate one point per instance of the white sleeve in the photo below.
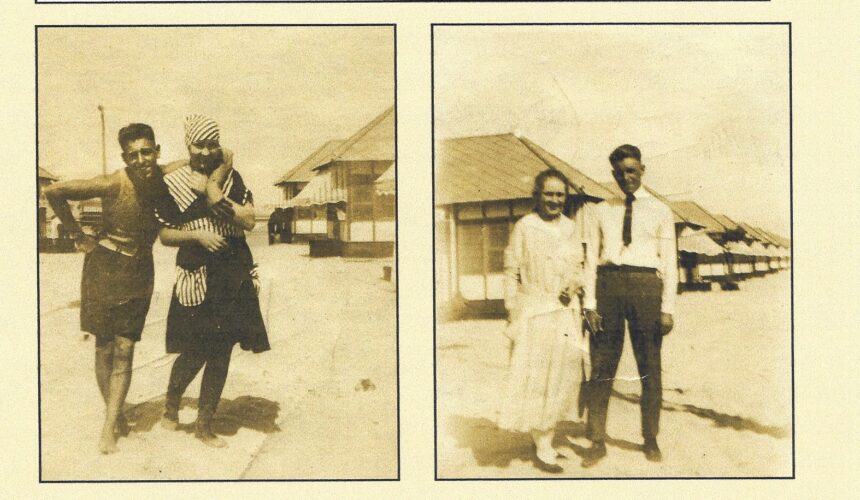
(668, 262)
(592, 237)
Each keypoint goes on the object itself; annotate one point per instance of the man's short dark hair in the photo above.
(133, 132)
(625, 151)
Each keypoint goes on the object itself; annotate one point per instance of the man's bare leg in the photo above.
(104, 367)
(120, 380)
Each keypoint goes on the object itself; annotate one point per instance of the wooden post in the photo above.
(485, 244)
(104, 146)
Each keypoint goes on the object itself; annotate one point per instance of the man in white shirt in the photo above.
(631, 275)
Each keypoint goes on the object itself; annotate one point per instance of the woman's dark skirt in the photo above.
(116, 291)
(229, 314)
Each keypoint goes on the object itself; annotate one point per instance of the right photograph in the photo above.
(612, 251)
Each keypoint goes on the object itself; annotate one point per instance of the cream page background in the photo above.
(826, 77)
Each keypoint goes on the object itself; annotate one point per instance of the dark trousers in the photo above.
(633, 295)
(216, 358)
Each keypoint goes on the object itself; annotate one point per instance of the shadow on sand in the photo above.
(719, 419)
(245, 411)
(492, 446)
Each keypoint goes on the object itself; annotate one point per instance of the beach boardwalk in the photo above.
(329, 380)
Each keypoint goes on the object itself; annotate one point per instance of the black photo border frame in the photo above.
(393, 26)
(787, 24)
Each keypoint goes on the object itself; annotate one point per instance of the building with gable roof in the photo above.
(338, 209)
(483, 185)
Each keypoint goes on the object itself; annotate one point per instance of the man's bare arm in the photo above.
(215, 199)
(217, 179)
(243, 215)
(59, 194)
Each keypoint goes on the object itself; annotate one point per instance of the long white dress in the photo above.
(549, 348)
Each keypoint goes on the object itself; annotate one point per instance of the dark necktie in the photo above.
(628, 219)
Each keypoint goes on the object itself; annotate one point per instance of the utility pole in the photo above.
(104, 152)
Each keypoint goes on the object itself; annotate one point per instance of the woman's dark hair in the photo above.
(625, 151)
(540, 181)
(133, 132)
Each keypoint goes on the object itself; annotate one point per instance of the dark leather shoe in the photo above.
(551, 468)
(546, 467)
(652, 451)
(594, 454)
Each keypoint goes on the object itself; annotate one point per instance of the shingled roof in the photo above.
(44, 173)
(752, 232)
(781, 241)
(305, 169)
(374, 142)
(726, 222)
(693, 212)
(499, 167)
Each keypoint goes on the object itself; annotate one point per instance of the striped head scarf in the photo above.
(200, 128)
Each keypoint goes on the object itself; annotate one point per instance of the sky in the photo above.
(277, 93)
(707, 105)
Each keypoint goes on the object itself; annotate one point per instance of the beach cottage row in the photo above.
(332, 199)
(483, 184)
(53, 236)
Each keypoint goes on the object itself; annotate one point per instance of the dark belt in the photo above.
(128, 251)
(612, 268)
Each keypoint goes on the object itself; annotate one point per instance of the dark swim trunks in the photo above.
(116, 291)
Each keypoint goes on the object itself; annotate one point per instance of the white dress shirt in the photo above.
(653, 243)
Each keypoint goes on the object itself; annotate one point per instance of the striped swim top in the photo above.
(189, 213)
(193, 213)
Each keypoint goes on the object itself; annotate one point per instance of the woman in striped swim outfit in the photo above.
(214, 304)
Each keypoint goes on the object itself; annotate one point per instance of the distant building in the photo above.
(759, 244)
(299, 176)
(339, 210)
(302, 223)
(782, 248)
(46, 214)
(483, 186)
(702, 262)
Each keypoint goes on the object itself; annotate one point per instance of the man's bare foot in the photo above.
(209, 438)
(107, 444)
(169, 423)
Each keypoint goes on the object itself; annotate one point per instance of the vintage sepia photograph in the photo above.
(217, 267)
(612, 251)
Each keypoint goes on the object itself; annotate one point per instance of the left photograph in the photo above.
(217, 243)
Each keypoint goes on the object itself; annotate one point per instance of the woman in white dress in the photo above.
(543, 277)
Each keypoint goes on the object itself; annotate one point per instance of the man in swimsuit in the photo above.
(117, 280)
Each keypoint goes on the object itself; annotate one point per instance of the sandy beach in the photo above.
(727, 408)
(329, 379)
